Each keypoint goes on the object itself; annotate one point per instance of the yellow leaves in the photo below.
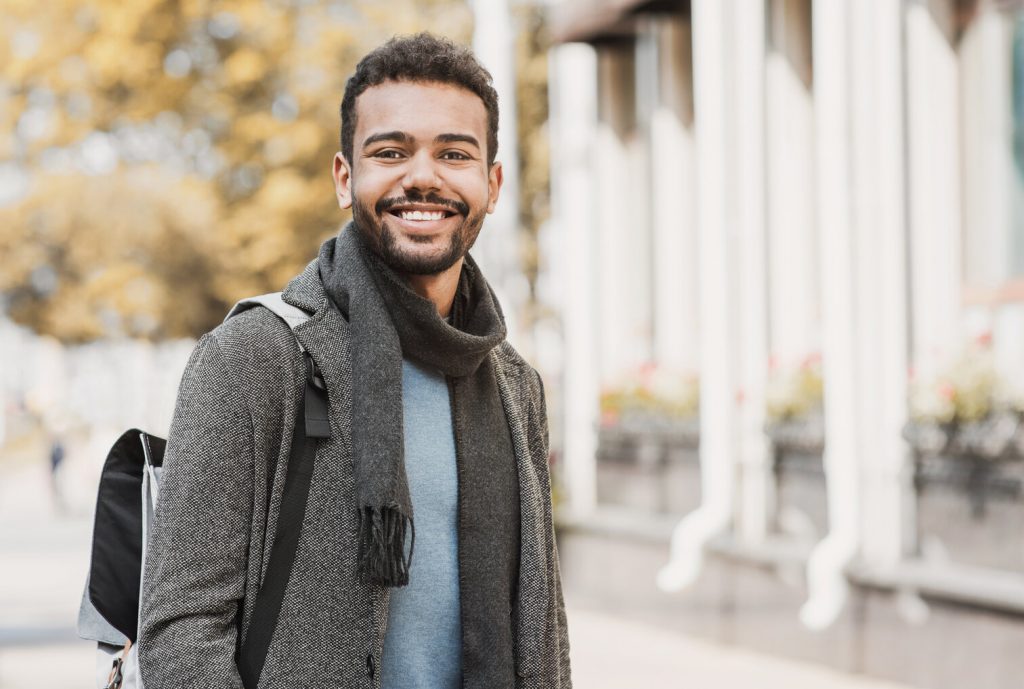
(299, 141)
(19, 7)
(256, 127)
(115, 244)
(282, 191)
(244, 67)
(232, 194)
(254, 17)
(114, 59)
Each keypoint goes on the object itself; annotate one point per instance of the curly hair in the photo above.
(421, 58)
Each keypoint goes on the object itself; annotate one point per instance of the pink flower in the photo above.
(947, 391)
(812, 359)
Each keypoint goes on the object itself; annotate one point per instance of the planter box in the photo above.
(969, 490)
(649, 466)
(970, 510)
(801, 496)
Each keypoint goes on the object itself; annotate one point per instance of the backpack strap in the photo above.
(315, 397)
(292, 315)
(311, 424)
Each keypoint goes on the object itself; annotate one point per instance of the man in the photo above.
(426, 556)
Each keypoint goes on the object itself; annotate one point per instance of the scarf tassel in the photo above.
(383, 560)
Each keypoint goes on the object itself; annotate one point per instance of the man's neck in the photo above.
(439, 288)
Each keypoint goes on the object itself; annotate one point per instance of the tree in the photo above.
(171, 156)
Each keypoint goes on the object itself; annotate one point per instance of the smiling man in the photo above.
(411, 546)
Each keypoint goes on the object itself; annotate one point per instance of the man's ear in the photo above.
(494, 179)
(342, 175)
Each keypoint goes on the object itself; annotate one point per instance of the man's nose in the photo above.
(422, 173)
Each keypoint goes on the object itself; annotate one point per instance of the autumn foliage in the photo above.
(162, 158)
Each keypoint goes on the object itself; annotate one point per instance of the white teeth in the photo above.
(422, 215)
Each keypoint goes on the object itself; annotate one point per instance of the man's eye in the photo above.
(455, 155)
(388, 153)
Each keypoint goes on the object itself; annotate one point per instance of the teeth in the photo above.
(422, 215)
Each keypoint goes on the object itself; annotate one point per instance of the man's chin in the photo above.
(418, 257)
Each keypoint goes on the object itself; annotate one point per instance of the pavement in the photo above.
(44, 555)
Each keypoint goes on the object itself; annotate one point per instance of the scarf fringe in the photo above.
(382, 557)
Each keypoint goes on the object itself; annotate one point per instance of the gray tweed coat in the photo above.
(209, 549)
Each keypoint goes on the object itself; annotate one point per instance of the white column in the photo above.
(573, 97)
(673, 182)
(749, 198)
(717, 306)
(935, 192)
(826, 582)
(620, 227)
(673, 185)
(793, 272)
(987, 129)
(883, 290)
(497, 248)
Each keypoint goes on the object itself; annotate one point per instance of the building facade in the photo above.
(751, 191)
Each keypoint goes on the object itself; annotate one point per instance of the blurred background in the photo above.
(767, 254)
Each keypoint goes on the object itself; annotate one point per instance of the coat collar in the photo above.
(305, 290)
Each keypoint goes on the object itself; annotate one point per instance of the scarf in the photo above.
(388, 320)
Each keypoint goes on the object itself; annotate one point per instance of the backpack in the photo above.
(125, 512)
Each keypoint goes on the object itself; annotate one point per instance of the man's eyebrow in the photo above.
(456, 138)
(387, 136)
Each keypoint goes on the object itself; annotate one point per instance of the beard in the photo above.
(385, 242)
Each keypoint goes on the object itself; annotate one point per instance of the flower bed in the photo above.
(648, 439)
(967, 437)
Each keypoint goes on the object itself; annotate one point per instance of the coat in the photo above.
(209, 549)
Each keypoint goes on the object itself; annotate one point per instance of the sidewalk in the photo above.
(607, 653)
(611, 653)
(45, 558)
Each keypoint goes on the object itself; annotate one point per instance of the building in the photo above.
(745, 186)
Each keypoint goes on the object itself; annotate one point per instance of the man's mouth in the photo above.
(423, 211)
(406, 214)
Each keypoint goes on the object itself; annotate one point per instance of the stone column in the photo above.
(883, 277)
(833, 159)
(752, 261)
(716, 224)
(620, 230)
(673, 182)
(573, 99)
(934, 193)
(497, 249)
(792, 252)
(863, 225)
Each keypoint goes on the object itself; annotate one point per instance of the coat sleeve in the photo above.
(562, 635)
(197, 553)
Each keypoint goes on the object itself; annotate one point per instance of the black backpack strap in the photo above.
(311, 424)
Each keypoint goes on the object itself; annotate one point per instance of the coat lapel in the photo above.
(534, 589)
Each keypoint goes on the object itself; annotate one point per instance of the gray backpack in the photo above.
(125, 510)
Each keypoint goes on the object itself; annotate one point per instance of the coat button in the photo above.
(369, 666)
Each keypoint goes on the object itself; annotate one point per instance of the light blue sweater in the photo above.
(423, 643)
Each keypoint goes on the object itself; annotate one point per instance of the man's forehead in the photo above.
(426, 107)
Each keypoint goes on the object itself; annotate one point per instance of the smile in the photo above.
(422, 215)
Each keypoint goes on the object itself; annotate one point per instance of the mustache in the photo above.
(384, 205)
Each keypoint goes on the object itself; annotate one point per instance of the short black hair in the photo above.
(422, 57)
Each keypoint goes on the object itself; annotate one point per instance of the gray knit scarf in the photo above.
(388, 321)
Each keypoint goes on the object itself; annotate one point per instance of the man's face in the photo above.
(419, 184)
